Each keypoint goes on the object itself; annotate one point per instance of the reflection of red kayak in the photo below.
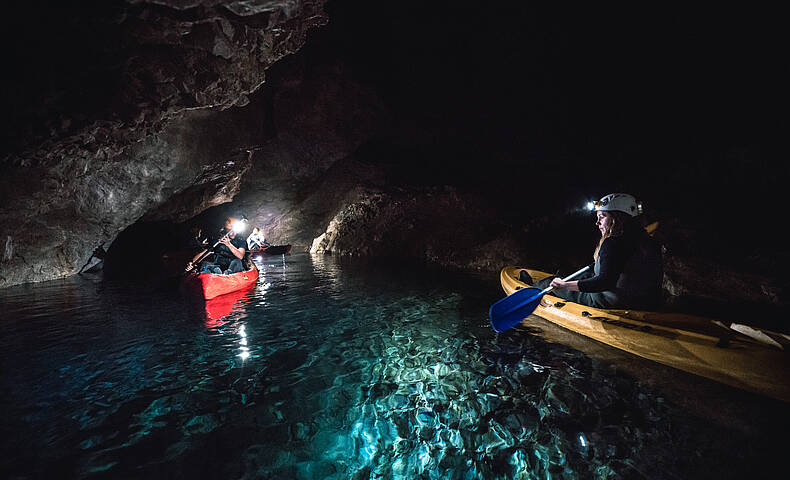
(272, 250)
(214, 285)
(222, 306)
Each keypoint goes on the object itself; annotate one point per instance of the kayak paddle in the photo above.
(511, 310)
(238, 227)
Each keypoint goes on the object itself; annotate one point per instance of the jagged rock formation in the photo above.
(103, 133)
(318, 115)
(445, 228)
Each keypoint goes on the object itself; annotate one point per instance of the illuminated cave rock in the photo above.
(107, 107)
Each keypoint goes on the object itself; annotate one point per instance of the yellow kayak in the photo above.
(751, 359)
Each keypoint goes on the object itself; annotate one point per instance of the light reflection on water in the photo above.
(324, 369)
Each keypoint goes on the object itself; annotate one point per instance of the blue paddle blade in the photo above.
(511, 310)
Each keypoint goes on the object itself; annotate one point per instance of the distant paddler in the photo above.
(256, 240)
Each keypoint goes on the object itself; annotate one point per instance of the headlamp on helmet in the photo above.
(238, 225)
(621, 202)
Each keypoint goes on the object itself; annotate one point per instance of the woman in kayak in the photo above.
(628, 268)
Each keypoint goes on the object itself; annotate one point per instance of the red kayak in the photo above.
(214, 285)
(272, 250)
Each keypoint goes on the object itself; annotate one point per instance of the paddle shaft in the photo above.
(569, 277)
(209, 250)
(550, 288)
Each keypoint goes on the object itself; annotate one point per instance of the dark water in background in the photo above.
(341, 370)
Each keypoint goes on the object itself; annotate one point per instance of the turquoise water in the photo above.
(331, 369)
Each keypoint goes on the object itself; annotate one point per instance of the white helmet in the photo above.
(621, 202)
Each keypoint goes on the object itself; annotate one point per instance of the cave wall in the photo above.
(102, 105)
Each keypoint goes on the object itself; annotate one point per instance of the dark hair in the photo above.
(622, 223)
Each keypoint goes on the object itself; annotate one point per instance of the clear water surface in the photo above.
(331, 369)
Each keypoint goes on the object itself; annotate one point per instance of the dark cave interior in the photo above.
(534, 109)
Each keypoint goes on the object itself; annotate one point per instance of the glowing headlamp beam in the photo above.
(239, 226)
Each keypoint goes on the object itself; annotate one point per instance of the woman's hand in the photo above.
(225, 241)
(572, 286)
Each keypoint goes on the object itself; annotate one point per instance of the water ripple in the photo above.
(323, 370)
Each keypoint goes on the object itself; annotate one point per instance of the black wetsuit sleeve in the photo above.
(612, 258)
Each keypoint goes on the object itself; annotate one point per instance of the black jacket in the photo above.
(629, 270)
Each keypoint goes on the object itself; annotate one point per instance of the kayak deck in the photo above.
(690, 343)
(213, 285)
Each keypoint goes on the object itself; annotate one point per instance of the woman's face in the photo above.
(604, 222)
